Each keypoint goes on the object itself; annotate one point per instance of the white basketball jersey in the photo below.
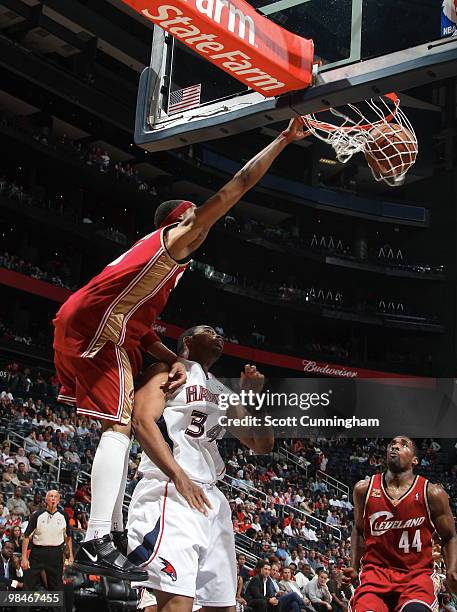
(191, 418)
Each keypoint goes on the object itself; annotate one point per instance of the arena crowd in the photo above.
(291, 520)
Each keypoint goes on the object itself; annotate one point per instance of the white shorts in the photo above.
(183, 551)
(147, 598)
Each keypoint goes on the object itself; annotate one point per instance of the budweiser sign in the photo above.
(234, 37)
(326, 369)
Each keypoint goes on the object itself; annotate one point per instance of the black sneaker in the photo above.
(120, 541)
(100, 557)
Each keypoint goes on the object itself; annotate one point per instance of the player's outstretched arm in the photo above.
(189, 234)
(441, 515)
(260, 438)
(149, 406)
(357, 536)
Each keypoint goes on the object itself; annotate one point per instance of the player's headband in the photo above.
(174, 215)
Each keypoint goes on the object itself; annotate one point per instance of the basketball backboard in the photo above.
(362, 48)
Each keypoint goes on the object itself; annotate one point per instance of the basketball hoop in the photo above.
(378, 128)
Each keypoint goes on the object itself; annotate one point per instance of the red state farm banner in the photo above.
(234, 37)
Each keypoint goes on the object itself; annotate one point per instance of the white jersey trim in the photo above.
(367, 496)
(141, 302)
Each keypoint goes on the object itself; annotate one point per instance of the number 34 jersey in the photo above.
(398, 533)
(191, 427)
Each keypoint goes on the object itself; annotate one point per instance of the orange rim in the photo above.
(329, 127)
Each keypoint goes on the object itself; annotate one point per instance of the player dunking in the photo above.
(188, 556)
(100, 330)
(396, 515)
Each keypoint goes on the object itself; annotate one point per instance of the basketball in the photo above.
(390, 150)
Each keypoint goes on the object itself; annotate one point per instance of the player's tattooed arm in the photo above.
(150, 402)
(357, 536)
(190, 233)
(441, 515)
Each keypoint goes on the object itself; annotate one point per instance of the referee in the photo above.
(49, 530)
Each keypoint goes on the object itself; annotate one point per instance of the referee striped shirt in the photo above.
(48, 528)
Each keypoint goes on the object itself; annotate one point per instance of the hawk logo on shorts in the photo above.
(169, 569)
(376, 493)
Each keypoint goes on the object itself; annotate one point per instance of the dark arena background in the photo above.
(319, 272)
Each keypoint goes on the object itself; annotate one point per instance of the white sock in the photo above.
(106, 481)
(117, 519)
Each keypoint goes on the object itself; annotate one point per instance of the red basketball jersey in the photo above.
(121, 303)
(398, 533)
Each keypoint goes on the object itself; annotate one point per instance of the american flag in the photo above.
(181, 99)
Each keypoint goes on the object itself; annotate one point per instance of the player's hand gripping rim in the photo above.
(192, 493)
(296, 130)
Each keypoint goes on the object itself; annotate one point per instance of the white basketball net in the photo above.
(358, 134)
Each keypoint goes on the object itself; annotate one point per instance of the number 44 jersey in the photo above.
(191, 427)
(398, 532)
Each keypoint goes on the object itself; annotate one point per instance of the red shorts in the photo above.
(102, 386)
(387, 590)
